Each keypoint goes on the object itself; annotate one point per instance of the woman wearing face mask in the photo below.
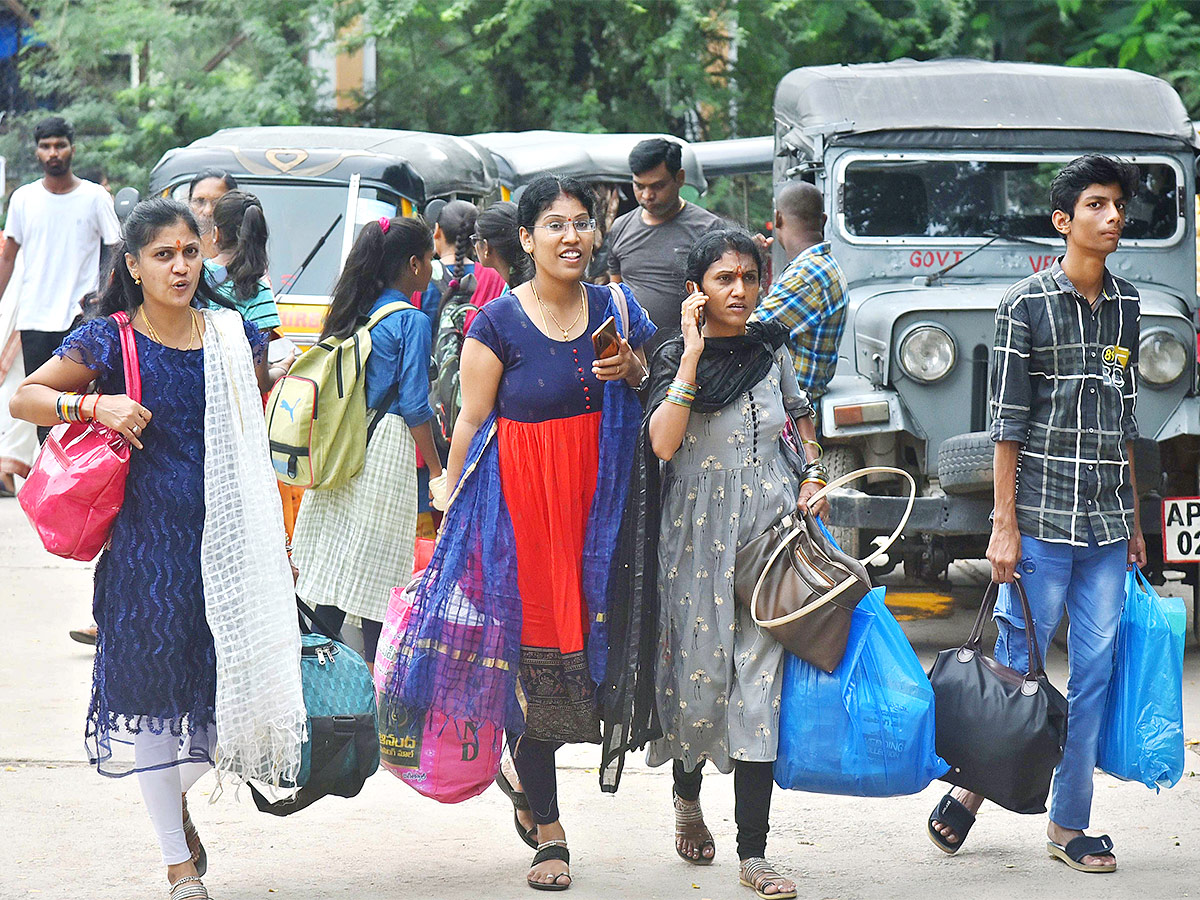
(541, 454)
(720, 398)
(193, 597)
(354, 543)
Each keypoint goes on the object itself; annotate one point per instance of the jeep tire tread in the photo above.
(841, 461)
(965, 463)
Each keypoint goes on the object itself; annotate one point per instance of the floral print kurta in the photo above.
(719, 675)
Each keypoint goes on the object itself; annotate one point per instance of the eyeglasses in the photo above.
(581, 226)
(478, 239)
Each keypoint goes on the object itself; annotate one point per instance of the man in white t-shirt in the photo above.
(59, 223)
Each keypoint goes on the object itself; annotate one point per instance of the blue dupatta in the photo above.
(461, 648)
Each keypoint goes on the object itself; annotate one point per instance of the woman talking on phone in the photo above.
(553, 427)
(721, 395)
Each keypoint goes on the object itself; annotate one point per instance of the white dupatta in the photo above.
(249, 600)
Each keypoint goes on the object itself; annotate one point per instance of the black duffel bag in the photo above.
(1002, 731)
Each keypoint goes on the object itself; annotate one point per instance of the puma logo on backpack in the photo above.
(317, 423)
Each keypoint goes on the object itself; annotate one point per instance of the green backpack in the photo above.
(317, 413)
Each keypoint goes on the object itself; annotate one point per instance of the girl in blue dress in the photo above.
(156, 691)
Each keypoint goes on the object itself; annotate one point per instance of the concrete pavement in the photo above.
(67, 832)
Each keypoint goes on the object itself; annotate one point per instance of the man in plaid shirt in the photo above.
(1066, 520)
(810, 296)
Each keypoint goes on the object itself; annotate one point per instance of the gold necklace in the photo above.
(154, 334)
(566, 332)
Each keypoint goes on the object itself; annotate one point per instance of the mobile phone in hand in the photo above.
(693, 288)
(605, 340)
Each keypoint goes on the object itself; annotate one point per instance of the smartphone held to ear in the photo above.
(605, 339)
(693, 288)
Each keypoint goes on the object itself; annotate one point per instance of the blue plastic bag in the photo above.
(867, 729)
(1142, 735)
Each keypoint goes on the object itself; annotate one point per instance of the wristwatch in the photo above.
(645, 376)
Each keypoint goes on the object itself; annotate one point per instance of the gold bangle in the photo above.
(820, 451)
(819, 481)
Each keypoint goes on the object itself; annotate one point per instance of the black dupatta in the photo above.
(629, 718)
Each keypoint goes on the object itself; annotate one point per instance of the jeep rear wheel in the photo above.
(965, 463)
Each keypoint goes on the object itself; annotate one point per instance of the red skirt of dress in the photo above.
(548, 473)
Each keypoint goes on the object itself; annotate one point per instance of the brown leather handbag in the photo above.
(801, 587)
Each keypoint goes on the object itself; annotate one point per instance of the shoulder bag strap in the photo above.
(129, 357)
(622, 308)
(393, 392)
(784, 544)
(384, 311)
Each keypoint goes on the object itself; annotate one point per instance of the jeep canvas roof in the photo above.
(969, 102)
(417, 164)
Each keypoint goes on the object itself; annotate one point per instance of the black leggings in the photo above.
(534, 761)
(370, 629)
(752, 786)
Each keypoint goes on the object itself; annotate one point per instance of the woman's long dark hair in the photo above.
(148, 218)
(242, 228)
(498, 226)
(374, 264)
(457, 221)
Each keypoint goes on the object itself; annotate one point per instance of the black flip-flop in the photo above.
(960, 819)
(547, 851)
(1076, 849)
(520, 804)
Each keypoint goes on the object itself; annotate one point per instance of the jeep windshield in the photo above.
(897, 196)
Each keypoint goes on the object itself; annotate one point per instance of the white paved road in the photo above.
(66, 833)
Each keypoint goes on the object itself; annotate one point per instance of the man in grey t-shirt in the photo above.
(648, 246)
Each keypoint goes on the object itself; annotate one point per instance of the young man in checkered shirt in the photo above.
(1066, 521)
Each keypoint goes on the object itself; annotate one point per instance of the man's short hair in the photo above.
(53, 126)
(1083, 171)
(800, 201)
(649, 153)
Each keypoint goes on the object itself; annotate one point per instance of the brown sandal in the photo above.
(689, 825)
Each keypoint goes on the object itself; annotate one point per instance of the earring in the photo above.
(137, 280)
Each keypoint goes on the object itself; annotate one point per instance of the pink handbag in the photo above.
(77, 485)
(448, 759)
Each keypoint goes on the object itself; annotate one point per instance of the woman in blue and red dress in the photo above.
(529, 359)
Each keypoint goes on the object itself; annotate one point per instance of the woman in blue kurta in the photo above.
(154, 702)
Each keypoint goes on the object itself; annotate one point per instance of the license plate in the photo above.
(1181, 529)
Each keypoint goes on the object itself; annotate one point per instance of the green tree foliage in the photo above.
(701, 69)
(137, 77)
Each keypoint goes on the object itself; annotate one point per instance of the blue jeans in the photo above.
(1090, 583)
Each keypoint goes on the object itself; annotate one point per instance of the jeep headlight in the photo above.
(927, 353)
(1162, 357)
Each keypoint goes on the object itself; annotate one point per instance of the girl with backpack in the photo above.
(354, 543)
(198, 650)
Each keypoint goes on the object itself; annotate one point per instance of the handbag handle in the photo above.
(1036, 666)
(862, 473)
(835, 591)
(129, 357)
